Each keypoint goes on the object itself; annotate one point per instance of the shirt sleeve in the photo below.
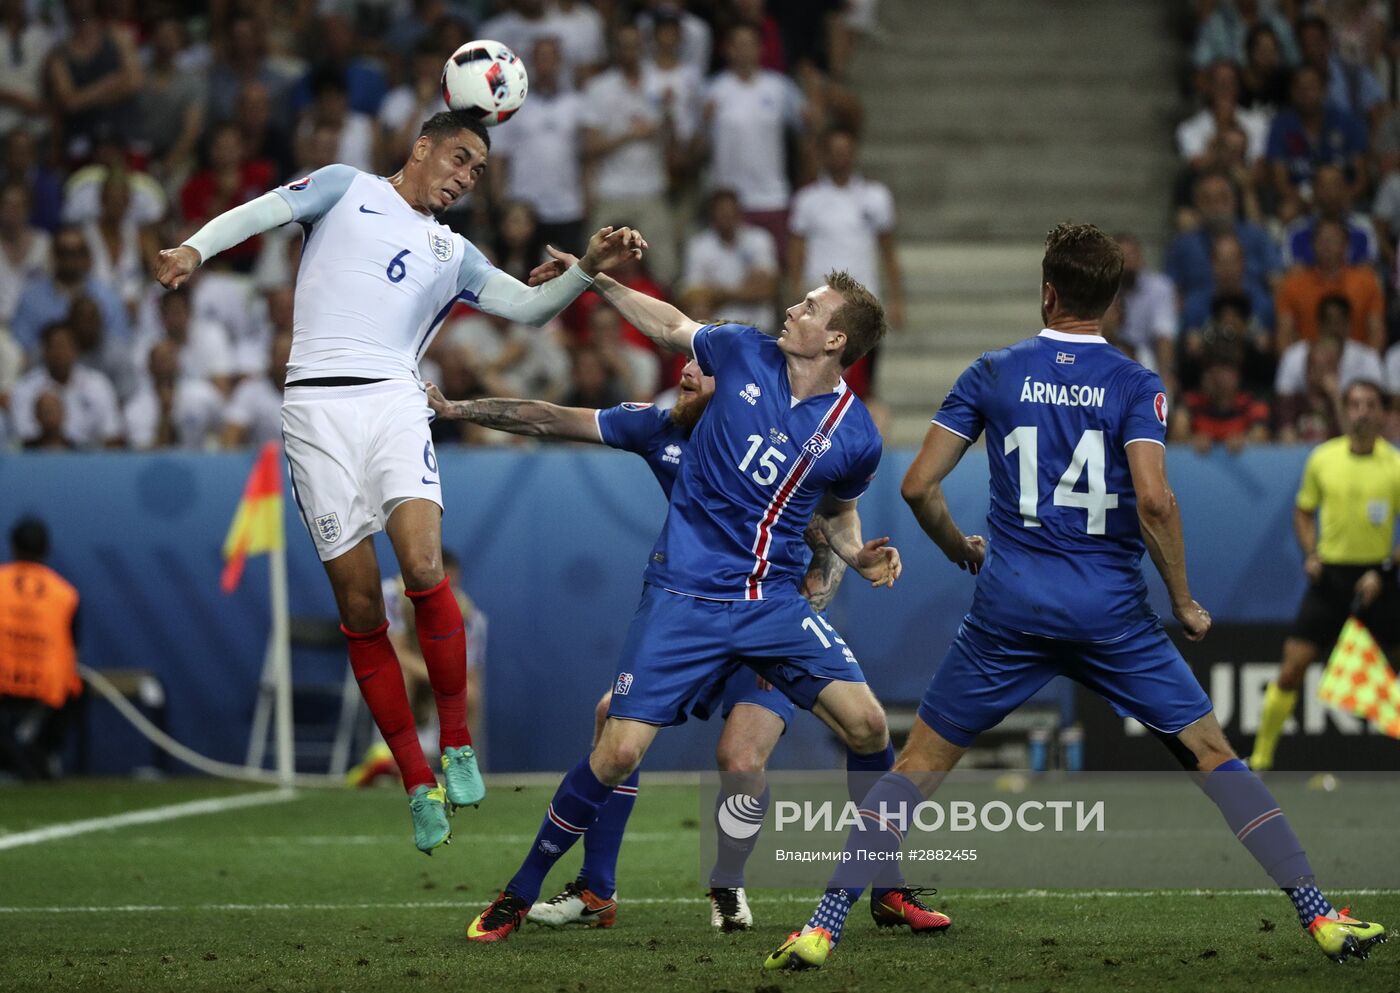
(1310, 492)
(961, 412)
(715, 343)
(475, 269)
(631, 427)
(313, 195)
(765, 252)
(1145, 416)
(800, 221)
(862, 472)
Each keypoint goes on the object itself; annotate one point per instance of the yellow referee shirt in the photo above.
(1356, 497)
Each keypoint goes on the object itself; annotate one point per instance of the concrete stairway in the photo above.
(991, 121)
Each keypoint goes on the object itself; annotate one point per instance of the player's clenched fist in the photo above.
(175, 266)
(1195, 620)
(970, 556)
(878, 561)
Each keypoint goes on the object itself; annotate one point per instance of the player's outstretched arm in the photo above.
(826, 570)
(546, 296)
(922, 490)
(1160, 520)
(230, 228)
(534, 418)
(877, 560)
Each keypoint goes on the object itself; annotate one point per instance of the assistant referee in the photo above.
(1345, 523)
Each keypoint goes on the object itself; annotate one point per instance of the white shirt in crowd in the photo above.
(638, 168)
(1194, 135)
(542, 148)
(1147, 315)
(1359, 361)
(231, 300)
(206, 354)
(91, 417)
(748, 133)
(582, 34)
(124, 272)
(696, 38)
(681, 87)
(401, 106)
(255, 407)
(196, 409)
(543, 372)
(842, 226)
(22, 60)
(14, 272)
(82, 197)
(712, 261)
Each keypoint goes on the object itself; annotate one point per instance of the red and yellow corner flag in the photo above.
(257, 526)
(1359, 681)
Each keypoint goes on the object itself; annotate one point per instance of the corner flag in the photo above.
(257, 526)
(1359, 681)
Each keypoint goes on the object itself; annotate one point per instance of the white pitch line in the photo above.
(953, 897)
(151, 815)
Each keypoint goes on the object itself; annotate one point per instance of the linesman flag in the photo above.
(1359, 681)
(257, 526)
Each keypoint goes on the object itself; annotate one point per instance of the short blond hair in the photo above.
(861, 316)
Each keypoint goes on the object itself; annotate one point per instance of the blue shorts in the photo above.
(743, 687)
(990, 671)
(680, 651)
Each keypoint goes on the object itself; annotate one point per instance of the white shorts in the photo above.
(356, 453)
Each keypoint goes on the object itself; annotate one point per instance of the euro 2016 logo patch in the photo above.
(328, 527)
(300, 184)
(817, 445)
(441, 246)
(624, 684)
(1159, 405)
(635, 406)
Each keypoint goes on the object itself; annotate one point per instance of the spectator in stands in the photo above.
(24, 249)
(696, 37)
(1332, 201)
(519, 25)
(1351, 86)
(39, 679)
(202, 344)
(91, 418)
(750, 112)
(1220, 412)
(594, 383)
(582, 30)
(1227, 153)
(254, 411)
(1144, 318)
(330, 107)
(455, 371)
(123, 253)
(82, 193)
(1224, 33)
(813, 31)
(93, 76)
(1305, 286)
(53, 434)
(731, 268)
(1312, 374)
(172, 410)
(334, 56)
(755, 13)
(22, 165)
(678, 86)
(26, 43)
(242, 60)
(1308, 133)
(636, 370)
(625, 142)
(1264, 77)
(98, 350)
(845, 221)
(1229, 275)
(263, 138)
(1222, 110)
(519, 247)
(229, 179)
(169, 112)
(538, 160)
(1189, 254)
(512, 359)
(420, 97)
(1385, 210)
(47, 298)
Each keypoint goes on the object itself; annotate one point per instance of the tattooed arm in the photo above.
(529, 417)
(877, 560)
(826, 570)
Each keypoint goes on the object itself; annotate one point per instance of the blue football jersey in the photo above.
(755, 469)
(1065, 552)
(646, 430)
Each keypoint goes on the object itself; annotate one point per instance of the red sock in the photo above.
(376, 667)
(442, 636)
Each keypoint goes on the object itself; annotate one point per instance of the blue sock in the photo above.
(603, 841)
(831, 913)
(734, 851)
(860, 779)
(1255, 817)
(571, 813)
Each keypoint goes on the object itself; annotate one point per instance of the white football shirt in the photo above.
(376, 280)
(842, 227)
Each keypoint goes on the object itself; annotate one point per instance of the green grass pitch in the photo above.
(325, 892)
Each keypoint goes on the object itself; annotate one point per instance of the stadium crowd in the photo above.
(126, 125)
(1278, 287)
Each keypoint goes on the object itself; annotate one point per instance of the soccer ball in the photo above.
(486, 80)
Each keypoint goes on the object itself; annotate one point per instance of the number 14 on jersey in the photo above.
(1088, 458)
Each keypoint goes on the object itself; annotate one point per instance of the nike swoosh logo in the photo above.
(430, 482)
(366, 210)
(444, 637)
(596, 912)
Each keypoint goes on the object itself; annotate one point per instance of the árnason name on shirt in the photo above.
(1074, 395)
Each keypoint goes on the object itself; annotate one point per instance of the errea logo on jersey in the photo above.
(750, 394)
(671, 454)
